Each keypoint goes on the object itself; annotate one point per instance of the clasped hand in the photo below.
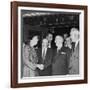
(40, 66)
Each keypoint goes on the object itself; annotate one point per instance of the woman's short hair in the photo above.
(30, 38)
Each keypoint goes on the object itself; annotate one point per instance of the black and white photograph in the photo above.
(50, 44)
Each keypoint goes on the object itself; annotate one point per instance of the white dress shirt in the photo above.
(43, 51)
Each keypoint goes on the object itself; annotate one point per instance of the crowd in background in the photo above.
(58, 58)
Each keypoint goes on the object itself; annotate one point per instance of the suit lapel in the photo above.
(76, 48)
(75, 54)
(40, 56)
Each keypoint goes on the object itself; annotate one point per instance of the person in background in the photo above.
(45, 59)
(30, 58)
(68, 43)
(61, 58)
(65, 36)
(49, 37)
(74, 59)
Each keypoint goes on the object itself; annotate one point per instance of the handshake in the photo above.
(40, 66)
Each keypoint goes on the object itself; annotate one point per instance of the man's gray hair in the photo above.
(75, 31)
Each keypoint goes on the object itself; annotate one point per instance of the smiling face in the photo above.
(44, 43)
(59, 41)
(34, 41)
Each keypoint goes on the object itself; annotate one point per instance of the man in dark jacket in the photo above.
(74, 59)
(61, 58)
(45, 59)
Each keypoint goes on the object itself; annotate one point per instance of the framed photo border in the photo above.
(14, 43)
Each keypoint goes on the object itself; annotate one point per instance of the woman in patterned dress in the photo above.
(30, 58)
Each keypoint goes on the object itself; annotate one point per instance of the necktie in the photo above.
(73, 47)
(43, 54)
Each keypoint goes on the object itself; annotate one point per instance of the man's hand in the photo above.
(40, 66)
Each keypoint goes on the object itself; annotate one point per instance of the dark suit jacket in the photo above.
(60, 61)
(74, 61)
(53, 46)
(47, 62)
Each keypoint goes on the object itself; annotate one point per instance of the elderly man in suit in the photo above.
(45, 59)
(61, 58)
(74, 59)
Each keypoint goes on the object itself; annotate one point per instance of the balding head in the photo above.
(59, 41)
(74, 34)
